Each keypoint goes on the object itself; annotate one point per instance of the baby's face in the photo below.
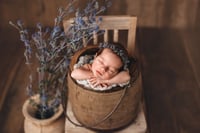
(106, 65)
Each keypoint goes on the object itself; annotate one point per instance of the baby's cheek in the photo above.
(107, 76)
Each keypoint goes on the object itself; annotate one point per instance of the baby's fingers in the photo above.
(104, 85)
(93, 82)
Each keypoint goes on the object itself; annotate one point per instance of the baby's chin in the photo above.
(104, 78)
(100, 77)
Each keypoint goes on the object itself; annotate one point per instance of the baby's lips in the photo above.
(98, 73)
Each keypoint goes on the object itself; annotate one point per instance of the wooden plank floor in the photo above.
(171, 75)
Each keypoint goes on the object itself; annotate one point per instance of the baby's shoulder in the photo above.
(87, 66)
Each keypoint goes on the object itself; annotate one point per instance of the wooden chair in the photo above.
(120, 27)
(115, 25)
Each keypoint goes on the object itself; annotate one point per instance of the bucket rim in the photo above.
(94, 48)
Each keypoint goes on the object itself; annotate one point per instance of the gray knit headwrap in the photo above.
(118, 50)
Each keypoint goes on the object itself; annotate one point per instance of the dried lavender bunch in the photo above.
(84, 24)
(53, 49)
(41, 44)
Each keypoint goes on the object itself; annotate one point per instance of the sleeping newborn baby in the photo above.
(108, 68)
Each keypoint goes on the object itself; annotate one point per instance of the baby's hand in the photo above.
(97, 82)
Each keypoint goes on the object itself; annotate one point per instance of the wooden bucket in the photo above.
(105, 110)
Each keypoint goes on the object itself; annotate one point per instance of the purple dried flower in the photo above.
(39, 26)
(54, 48)
(109, 3)
(56, 102)
(103, 8)
(67, 61)
(100, 19)
(60, 10)
(20, 23)
(43, 98)
(26, 31)
(62, 34)
(36, 39)
(27, 43)
(56, 31)
(71, 9)
(29, 90)
(23, 37)
(96, 28)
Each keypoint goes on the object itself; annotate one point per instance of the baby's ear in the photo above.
(96, 54)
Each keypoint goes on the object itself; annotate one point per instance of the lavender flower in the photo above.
(53, 49)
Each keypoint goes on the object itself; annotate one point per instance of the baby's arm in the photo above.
(82, 72)
(121, 77)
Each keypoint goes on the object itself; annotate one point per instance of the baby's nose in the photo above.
(104, 69)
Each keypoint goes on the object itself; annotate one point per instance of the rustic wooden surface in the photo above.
(151, 13)
(171, 80)
(139, 125)
(171, 76)
(13, 76)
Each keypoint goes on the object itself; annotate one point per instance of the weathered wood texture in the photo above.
(137, 126)
(171, 76)
(169, 58)
(153, 13)
(29, 11)
(13, 76)
(171, 79)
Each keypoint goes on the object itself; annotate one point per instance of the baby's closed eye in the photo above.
(100, 60)
(111, 71)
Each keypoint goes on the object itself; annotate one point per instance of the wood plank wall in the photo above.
(151, 13)
(173, 103)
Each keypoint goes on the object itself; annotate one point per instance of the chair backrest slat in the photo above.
(116, 36)
(105, 35)
(115, 24)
